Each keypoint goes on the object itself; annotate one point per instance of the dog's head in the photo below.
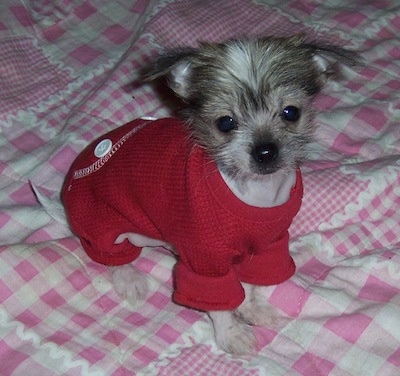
(249, 101)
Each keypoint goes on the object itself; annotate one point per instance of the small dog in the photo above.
(225, 205)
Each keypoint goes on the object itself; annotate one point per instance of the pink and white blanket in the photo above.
(69, 72)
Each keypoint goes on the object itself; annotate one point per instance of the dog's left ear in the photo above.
(327, 57)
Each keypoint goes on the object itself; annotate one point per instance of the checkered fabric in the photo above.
(69, 71)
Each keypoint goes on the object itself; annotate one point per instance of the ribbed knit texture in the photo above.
(157, 182)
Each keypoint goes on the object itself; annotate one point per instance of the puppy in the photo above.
(220, 190)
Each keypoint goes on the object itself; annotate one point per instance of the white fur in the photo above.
(255, 309)
(241, 56)
(143, 241)
(53, 207)
(273, 190)
(232, 328)
(232, 334)
(322, 62)
(180, 78)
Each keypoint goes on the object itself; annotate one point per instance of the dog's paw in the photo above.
(257, 315)
(255, 309)
(232, 335)
(130, 283)
(238, 339)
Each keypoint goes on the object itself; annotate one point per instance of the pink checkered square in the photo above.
(60, 338)
(29, 319)
(92, 355)
(26, 271)
(137, 319)
(146, 355)
(395, 358)
(5, 291)
(117, 34)
(85, 54)
(349, 327)
(140, 6)
(27, 141)
(19, 11)
(168, 334)
(290, 298)
(14, 359)
(310, 364)
(83, 320)
(159, 300)
(377, 290)
(53, 299)
(84, 11)
(350, 19)
(54, 33)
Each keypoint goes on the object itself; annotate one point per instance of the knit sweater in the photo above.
(150, 178)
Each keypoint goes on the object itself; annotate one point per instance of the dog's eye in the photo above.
(226, 124)
(291, 113)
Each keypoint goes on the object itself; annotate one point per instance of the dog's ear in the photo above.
(176, 66)
(327, 57)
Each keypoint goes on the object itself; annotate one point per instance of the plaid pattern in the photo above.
(69, 71)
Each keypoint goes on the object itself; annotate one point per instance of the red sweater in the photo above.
(157, 182)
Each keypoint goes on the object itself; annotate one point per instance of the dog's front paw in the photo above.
(232, 335)
(257, 315)
(130, 283)
(255, 309)
(238, 339)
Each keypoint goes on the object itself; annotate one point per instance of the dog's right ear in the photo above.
(176, 66)
(326, 57)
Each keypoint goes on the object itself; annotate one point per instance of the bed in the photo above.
(70, 71)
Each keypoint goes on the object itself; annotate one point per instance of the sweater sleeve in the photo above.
(215, 289)
(269, 265)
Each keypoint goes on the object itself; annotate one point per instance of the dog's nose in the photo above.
(265, 153)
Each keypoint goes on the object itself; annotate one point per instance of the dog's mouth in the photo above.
(264, 170)
(254, 172)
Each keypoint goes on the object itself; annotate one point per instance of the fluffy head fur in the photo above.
(249, 101)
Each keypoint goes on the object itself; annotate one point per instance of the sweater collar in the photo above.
(227, 199)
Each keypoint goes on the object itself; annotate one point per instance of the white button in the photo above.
(102, 148)
(150, 118)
